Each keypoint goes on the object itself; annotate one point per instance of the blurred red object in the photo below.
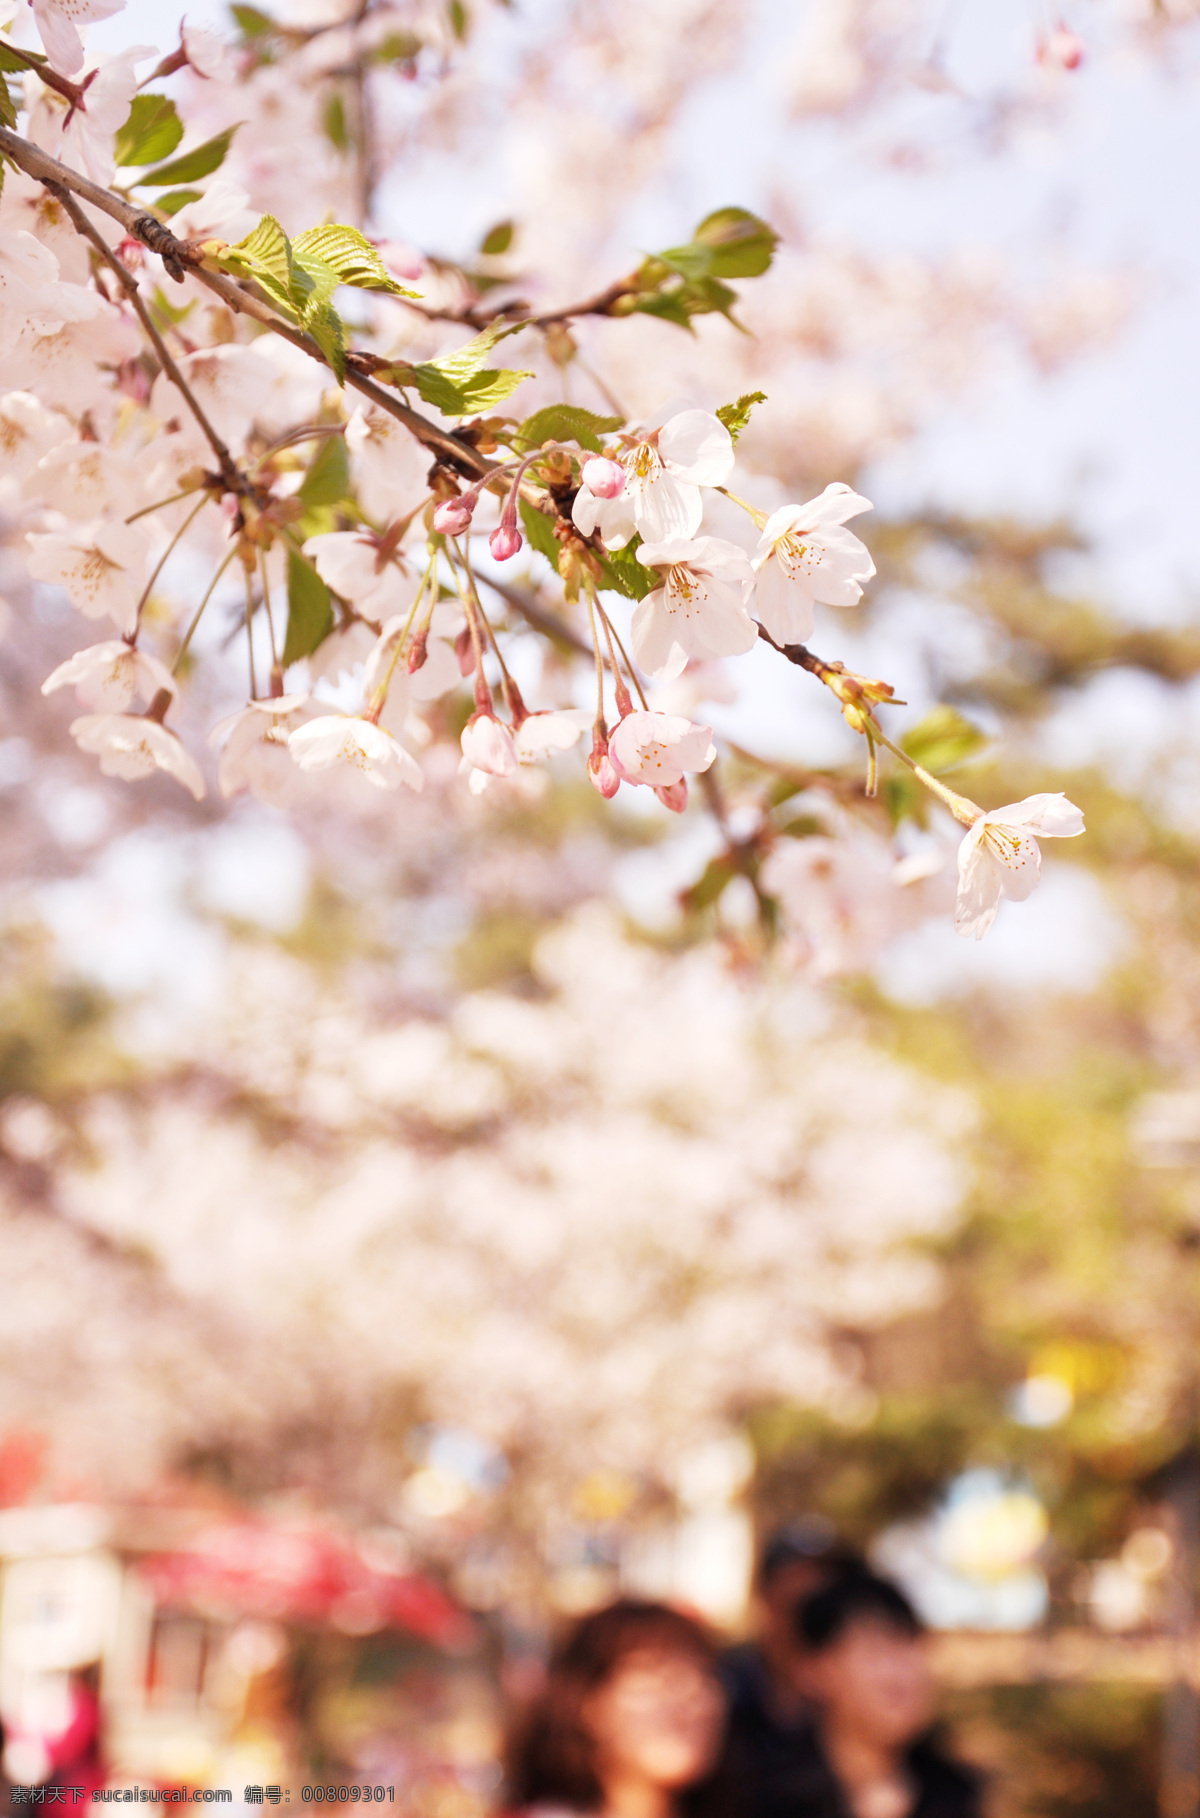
(309, 1575)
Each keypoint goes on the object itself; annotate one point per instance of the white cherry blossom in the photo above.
(541, 734)
(488, 746)
(84, 138)
(390, 468)
(1000, 856)
(231, 383)
(659, 748)
(84, 480)
(334, 740)
(110, 677)
(100, 565)
(129, 746)
(664, 471)
(207, 52)
(699, 610)
(806, 554)
(349, 561)
(33, 299)
(27, 431)
(255, 755)
(58, 22)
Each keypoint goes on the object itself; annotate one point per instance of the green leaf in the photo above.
(480, 392)
(327, 481)
(736, 416)
(904, 799)
(669, 305)
(192, 165)
(175, 199)
(251, 23)
(152, 131)
(942, 740)
(8, 113)
(265, 254)
(397, 47)
(623, 573)
(709, 885)
(804, 827)
(459, 19)
(740, 244)
(566, 423)
(539, 532)
(497, 239)
(310, 610)
(351, 255)
(334, 122)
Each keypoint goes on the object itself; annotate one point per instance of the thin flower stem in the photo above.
(128, 283)
(600, 725)
(483, 694)
(760, 517)
(196, 617)
(379, 697)
(250, 633)
(169, 551)
(162, 504)
(612, 632)
(266, 593)
(512, 694)
(961, 806)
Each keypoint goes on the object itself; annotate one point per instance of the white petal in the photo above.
(837, 503)
(1051, 816)
(978, 888)
(1018, 857)
(655, 647)
(663, 506)
(783, 608)
(697, 446)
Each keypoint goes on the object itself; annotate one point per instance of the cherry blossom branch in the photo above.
(71, 92)
(180, 257)
(537, 616)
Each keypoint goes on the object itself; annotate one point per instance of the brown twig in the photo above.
(546, 622)
(230, 473)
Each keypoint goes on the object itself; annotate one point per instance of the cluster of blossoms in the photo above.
(142, 431)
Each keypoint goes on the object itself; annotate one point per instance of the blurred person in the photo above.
(872, 1751)
(770, 1712)
(629, 1723)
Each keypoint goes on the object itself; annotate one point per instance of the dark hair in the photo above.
(810, 1540)
(823, 1618)
(551, 1756)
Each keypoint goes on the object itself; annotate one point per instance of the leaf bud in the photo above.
(604, 478)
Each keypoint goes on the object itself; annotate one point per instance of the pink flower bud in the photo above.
(418, 652)
(1063, 48)
(604, 478)
(602, 774)
(454, 515)
(674, 796)
(488, 746)
(464, 650)
(504, 542)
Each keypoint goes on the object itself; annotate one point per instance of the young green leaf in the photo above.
(190, 166)
(265, 254)
(459, 384)
(623, 573)
(736, 416)
(252, 23)
(539, 532)
(497, 240)
(740, 245)
(942, 740)
(8, 113)
(310, 610)
(175, 199)
(327, 481)
(152, 131)
(351, 256)
(566, 423)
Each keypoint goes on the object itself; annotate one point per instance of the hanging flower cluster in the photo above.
(180, 399)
